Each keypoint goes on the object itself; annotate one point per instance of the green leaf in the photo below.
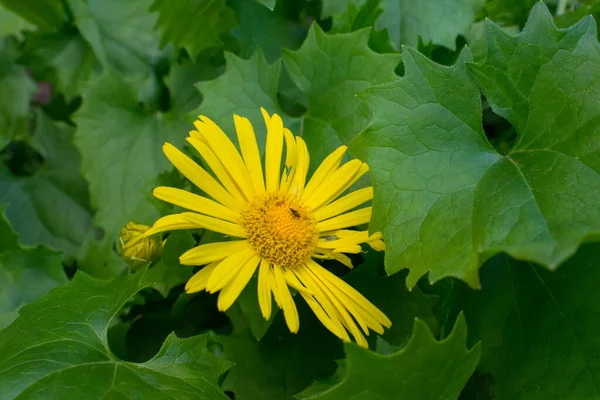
(17, 89)
(121, 34)
(444, 198)
(270, 4)
(281, 363)
(269, 30)
(346, 67)
(509, 12)
(120, 142)
(424, 369)
(537, 326)
(195, 25)
(70, 324)
(47, 15)
(406, 21)
(64, 59)
(245, 86)
(168, 272)
(25, 273)
(12, 23)
(52, 206)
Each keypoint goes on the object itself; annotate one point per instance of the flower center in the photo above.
(280, 230)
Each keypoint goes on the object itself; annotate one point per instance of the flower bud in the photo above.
(136, 249)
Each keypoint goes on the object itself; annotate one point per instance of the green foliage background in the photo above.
(479, 119)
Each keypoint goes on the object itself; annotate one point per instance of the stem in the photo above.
(562, 7)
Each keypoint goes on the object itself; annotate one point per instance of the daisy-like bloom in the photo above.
(283, 223)
(136, 248)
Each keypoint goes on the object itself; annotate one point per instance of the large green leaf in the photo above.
(121, 33)
(537, 327)
(120, 142)
(50, 207)
(12, 23)
(195, 25)
(346, 66)
(25, 273)
(17, 89)
(61, 339)
(444, 198)
(434, 21)
(423, 369)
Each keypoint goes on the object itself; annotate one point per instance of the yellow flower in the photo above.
(282, 221)
(136, 248)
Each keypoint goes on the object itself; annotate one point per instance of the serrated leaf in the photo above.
(445, 199)
(509, 12)
(64, 59)
(17, 89)
(25, 273)
(120, 143)
(424, 369)
(52, 206)
(245, 86)
(537, 326)
(70, 324)
(346, 66)
(195, 25)
(406, 21)
(121, 34)
(47, 15)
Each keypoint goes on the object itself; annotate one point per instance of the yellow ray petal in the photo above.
(171, 223)
(290, 161)
(273, 152)
(303, 160)
(353, 218)
(328, 165)
(196, 203)
(323, 300)
(364, 168)
(352, 293)
(250, 152)
(273, 286)
(207, 253)
(231, 292)
(289, 307)
(327, 254)
(227, 269)
(227, 153)
(324, 193)
(213, 224)
(344, 204)
(219, 170)
(264, 289)
(293, 282)
(324, 318)
(197, 282)
(200, 177)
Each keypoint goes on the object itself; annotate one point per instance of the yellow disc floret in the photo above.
(280, 230)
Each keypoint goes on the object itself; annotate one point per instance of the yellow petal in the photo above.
(219, 170)
(227, 153)
(250, 152)
(197, 282)
(264, 289)
(328, 165)
(327, 254)
(227, 269)
(364, 168)
(289, 307)
(290, 161)
(325, 192)
(353, 218)
(324, 318)
(207, 253)
(293, 282)
(200, 177)
(344, 204)
(303, 160)
(196, 203)
(273, 152)
(171, 223)
(213, 224)
(231, 292)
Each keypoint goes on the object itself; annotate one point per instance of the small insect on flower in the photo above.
(283, 222)
(136, 249)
